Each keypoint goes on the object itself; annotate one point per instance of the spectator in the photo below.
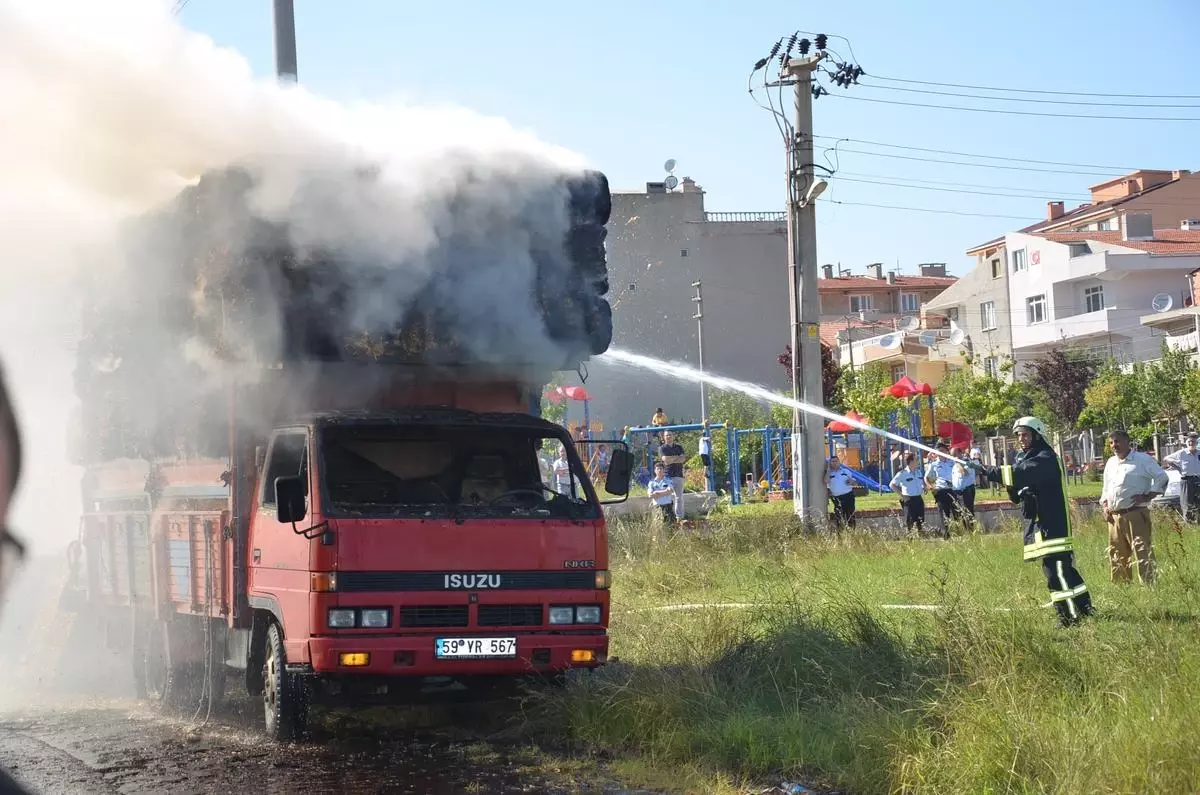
(1187, 462)
(1131, 479)
(940, 476)
(673, 456)
(841, 490)
(562, 472)
(910, 485)
(964, 488)
(602, 459)
(662, 493)
(660, 418)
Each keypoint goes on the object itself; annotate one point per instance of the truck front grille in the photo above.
(433, 616)
(509, 616)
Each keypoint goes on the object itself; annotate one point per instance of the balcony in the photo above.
(1054, 331)
(746, 218)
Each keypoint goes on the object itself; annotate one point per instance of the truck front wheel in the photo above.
(285, 695)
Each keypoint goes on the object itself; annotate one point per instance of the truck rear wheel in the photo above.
(285, 695)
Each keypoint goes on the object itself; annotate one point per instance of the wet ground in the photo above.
(96, 748)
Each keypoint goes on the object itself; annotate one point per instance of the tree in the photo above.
(1162, 384)
(983, 402)
(1116, 399)
(831, 375)
(551, 411)
(1063, 377)
(862, 391)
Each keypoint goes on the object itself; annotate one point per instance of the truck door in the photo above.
(279, 557)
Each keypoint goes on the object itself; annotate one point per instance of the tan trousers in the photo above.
(1128, 538)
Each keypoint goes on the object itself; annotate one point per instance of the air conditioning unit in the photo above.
(928, 338)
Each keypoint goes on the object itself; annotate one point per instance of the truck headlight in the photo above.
(587, 614)
(375, 618)
(342, 618)
(562, 615)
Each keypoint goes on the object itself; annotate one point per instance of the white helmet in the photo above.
(1033, 424)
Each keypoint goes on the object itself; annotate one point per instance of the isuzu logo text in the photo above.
(480, 580)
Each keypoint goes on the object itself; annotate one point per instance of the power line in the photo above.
(840, 173)
(931, 210)
(971, 154)
(1090, 103)
(1016, 112)
(973, 165)
(1034, 90)
(179, 6)
(1026, 196)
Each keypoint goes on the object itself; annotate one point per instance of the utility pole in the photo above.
(285, 41)
(808, 451)
(698, 299)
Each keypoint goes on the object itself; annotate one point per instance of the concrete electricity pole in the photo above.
(285, 41)
(698, 298)
(808, 449)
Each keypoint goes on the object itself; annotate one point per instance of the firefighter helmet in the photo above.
(1033, 424)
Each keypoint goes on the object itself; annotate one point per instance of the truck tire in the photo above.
(285, 695)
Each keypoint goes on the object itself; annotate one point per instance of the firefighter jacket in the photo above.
(1037, 483)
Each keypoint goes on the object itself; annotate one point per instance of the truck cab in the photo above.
(387, 547)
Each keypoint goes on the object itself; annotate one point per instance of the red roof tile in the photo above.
(871, 283)
(829, 330)
(1166, 242)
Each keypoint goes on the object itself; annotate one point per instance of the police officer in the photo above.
(939, 474)
(909, 483)
(840, 485)
(1036, 481)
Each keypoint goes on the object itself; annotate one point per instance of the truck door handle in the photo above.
(257, 556)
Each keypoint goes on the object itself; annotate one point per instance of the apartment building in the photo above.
(978, 303)
(660, 242)
(1179, 321)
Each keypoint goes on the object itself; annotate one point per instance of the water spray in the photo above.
(685, 373)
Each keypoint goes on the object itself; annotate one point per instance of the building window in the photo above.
(1018, 260)
(1078, 249)
(1093, 299)
(997, 269)
(910, 302)
(1104, 226)
(683, 252)
(987, 315)
(1035, 309)
(897, 372)
(862, 303)
(952, 314)
(991, 367)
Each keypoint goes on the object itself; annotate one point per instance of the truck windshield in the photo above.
(464, 472)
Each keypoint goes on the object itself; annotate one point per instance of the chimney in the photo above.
(690, 186)
(875, 270)
(933, 268)
(656, 187)
(1054, 210)
(827, 271)
(1179, 173)
(1137, 226)
(891, 277)
(1190, 225)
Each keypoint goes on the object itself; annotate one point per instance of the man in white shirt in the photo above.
(939, 474)
(662, 493)
(840, 485)
(909, 483)
(562, 472)
(1131, 479)
(963, 482)
(1187, 462)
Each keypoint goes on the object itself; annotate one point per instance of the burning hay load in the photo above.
(245, 272)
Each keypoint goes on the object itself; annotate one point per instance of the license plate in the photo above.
(474, 648)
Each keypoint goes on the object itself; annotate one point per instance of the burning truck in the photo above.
(311, 463)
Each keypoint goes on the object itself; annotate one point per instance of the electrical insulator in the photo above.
(821, 41)
(775, 49)
(760, 63)
(804, 45)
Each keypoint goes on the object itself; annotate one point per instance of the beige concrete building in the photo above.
(660, 242)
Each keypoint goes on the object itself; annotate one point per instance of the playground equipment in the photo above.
(643, 472)
(776, 457)
(579, 395)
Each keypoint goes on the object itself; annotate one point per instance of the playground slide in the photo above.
(874, 485)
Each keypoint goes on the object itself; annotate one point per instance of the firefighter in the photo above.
(1036, 482)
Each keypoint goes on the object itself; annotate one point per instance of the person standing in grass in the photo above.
(673, 456)
(1131, 479)
(939, 474)
(964, 487)
(1037, 482)
(1187, 461)
(662, 493)
(841, 490)
(909, 483)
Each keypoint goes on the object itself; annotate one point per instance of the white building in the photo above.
(1091, 289)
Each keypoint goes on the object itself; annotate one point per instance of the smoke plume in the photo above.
(111, 110)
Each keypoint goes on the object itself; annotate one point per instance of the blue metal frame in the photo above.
(710, 479)
(775, 441)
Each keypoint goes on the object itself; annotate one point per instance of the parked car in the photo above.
(1170, 499)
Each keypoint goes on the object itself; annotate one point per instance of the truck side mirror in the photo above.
(620, 471)
(289, 499)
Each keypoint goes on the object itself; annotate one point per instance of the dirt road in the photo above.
(122, 747)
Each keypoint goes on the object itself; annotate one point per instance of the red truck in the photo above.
(353, 530)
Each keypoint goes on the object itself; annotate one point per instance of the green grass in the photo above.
(822, 682)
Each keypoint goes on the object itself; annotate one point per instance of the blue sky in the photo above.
(630, 84)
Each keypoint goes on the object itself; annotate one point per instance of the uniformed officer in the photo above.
(841, 490)
(939, 474)
(910, 485)
(1037, 482)
(1186, 461)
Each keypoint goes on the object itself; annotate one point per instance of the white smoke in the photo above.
(111, 108)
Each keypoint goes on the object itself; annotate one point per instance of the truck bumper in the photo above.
(413, 656)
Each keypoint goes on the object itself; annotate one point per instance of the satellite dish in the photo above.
(1162, 302)
(890, 342)
(671, 182)
(957, 336)
(928, 339)
(669, 166)
(911, 323)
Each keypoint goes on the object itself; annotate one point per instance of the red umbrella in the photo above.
(837, 426)
(959, 435)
